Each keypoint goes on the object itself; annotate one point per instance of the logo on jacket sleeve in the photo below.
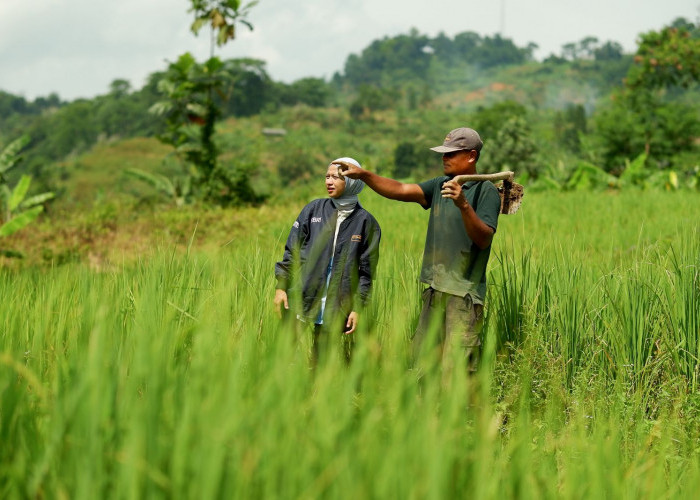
(316, 219)
(356, 237)
(296, 224)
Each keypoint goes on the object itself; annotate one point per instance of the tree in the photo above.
(371, 98)
(569, 124)
(467, 44)
(191, 108)
(513, 148)
(390, 60)
(409, 158)
(670, 57)
(250, 89)
(609, 51)
(570, 51)
(222, 16)
(119, 88)
(498, 51)
(588, 46)
(190, 116)
(530, 51)
(642, 122)
(314, 92)
(444, 48)
(488, 121)
(122, 113)
(643, 117)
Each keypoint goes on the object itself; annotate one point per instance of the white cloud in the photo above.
(77, 47)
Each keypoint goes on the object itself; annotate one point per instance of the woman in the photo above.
(330, 260)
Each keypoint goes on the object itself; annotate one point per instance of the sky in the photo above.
(76, 48)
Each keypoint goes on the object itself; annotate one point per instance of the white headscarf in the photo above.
(348, 199)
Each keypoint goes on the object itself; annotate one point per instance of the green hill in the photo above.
(567, 122)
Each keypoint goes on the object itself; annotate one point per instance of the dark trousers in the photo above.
(327, 340)
(447, 322)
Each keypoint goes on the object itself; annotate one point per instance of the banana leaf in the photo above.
(19, 192)
(9, 156)
(36, 200)
(159, 182)
(17, 223)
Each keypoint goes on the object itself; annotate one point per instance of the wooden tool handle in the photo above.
(461, 179)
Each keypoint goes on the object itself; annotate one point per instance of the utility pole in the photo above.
(503, 18)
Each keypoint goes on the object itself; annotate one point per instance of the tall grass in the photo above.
(174, 379)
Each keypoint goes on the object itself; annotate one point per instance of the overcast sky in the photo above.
(78, 47)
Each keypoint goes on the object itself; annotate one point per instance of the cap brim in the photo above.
(445, 149)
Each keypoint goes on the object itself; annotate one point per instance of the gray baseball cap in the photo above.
(459, 139)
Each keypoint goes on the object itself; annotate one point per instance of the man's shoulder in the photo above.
(489, 204)
(431, 186)
(489, 186)
(435, 180)
(489, 191)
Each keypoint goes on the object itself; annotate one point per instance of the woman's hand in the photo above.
(351, 324)
(280, 299)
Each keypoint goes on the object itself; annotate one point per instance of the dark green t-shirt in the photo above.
(451, 262)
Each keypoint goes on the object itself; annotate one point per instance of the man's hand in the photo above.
(351, 325)
(348, 169)
(280, 298)
(480, 233)
(452, 190)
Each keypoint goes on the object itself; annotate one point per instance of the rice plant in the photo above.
(173, 378)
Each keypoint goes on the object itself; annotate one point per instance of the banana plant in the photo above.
(178, 189)
(16, 209)
(586, 176)
(9, 157)
(635, 173)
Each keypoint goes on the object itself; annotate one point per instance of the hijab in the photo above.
(348, 199)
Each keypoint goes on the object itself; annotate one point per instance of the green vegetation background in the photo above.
(140, 356)
(174, 378)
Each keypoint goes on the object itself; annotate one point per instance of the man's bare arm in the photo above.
(479, 232)
(386, 187)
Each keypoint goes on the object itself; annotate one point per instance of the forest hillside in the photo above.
(201, 137)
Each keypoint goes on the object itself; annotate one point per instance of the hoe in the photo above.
(511, 193)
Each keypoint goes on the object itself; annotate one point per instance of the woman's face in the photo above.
(335, 184)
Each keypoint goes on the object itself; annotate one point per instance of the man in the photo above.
(462, 223)
(334, 247)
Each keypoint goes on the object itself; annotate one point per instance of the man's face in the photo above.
(335, 184)
(459, 162)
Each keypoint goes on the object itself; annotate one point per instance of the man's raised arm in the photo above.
(388, 188)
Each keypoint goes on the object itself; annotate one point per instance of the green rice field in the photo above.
(173, 377)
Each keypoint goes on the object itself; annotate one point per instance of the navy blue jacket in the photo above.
(303, 271)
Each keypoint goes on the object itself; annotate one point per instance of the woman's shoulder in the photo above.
(315, 207)
(366, 214)
(317, 203)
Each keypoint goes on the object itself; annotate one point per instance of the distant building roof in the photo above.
(274, 131)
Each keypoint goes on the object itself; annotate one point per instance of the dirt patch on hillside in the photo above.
(481, 93)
